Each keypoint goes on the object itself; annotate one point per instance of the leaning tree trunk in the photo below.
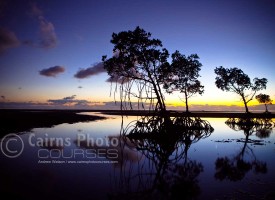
(157, 92)
(161, 97)
(160, 102)
(245, 104)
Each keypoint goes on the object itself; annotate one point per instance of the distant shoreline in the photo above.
(207, 114)
(22, 120)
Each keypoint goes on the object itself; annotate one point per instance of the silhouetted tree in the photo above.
(141, 60)
(184, 73)
(265, 99)
(235, 80)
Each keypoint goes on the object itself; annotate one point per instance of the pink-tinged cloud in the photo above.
(8, 40)
(47, 35)
(90, 71)
(52, 71)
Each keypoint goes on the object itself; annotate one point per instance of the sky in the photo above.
(50, 51)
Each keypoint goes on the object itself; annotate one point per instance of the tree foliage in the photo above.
(139, 60)
(184, 74)
(235, 80)
(265, 99)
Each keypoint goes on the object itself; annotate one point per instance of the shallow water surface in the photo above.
(94, 160)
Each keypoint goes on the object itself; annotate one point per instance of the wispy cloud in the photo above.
(52, 71)
(36, 11)
(98, 69)
(8, 40)
(47, 35)
(90, 71)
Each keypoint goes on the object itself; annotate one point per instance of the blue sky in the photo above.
(74, 35)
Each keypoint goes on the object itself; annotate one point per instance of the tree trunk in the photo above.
(157, 92)
(162, 107)
(159, 97)
(186, 103)
(266, 108)
(187, 109)
(245, 104)
(246, 108)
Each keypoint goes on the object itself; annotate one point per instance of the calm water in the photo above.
(94, 161)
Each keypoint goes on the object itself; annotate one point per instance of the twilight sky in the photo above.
(50, 51)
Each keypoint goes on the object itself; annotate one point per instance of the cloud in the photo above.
(52, 71)
(79, 87)
(36, 11)
(98, 69)
(116, 79)
(47, 35)
(8, 40)
(70, 97)
(51, 104)
(90, 71)
(48, 38)
(69, 101)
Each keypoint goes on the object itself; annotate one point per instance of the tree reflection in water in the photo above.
(165, 172)
(235, 169)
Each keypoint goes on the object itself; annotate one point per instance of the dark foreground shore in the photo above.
(17, 121)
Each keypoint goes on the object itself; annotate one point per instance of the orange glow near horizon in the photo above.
(214, 100)
(169, 102)
(191, 102)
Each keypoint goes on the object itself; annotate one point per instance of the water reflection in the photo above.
(120, 152)
(158, 158)
(235, 168)
(261, 126)
(166, 171)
